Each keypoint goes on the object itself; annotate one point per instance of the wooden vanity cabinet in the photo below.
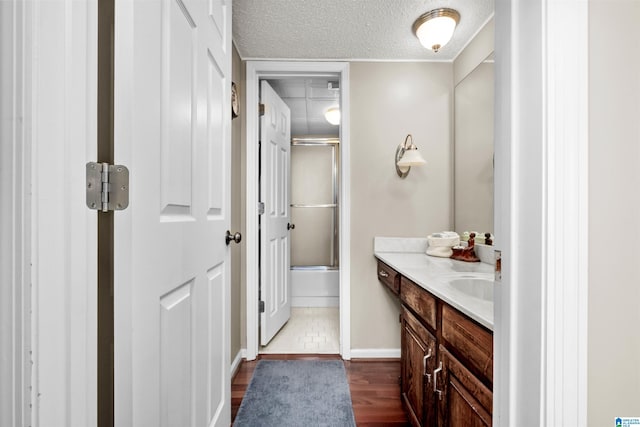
(465, 354)
(418, 348)
(464, 400)
(420, 301)
(389, 277)
(446, 359)
(472, 343)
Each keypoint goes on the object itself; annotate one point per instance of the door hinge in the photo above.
(261, 109)
(107, 187)
(260, 208)
(260, 306)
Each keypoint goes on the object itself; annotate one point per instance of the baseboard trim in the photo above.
(235, 364)
(375, 353)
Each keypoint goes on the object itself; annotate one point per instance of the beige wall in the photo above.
(614, 211)
(389, 101)
(238, 282)
(476, 51)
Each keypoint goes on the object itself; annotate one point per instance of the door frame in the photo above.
(255, 71)
(541, 212)
(51, 63)
(15, 207)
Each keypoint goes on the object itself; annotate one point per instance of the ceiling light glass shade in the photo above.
(434, 29)
(332, 115)
(411, 157)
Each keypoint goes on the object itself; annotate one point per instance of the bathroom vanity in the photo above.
(446, 333)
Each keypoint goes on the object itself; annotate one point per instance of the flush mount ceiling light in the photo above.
(407, 155)
(332, 115)
(435, 28)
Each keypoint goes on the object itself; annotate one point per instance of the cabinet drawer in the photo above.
(389, 277)
(418, 300)
(469, 340)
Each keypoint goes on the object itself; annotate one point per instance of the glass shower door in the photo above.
(314, 202)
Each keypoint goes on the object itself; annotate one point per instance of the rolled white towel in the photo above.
(445, 239)
(439, 251)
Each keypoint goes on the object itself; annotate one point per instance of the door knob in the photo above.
(290, 226)
(236, 237)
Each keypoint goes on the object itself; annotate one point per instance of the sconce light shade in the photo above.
(412, 157)
(434, 29)
(407, 155)
(332, 115)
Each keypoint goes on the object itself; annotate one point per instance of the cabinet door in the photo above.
(465, 400)
(418, 360)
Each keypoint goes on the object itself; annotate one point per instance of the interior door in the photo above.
(275, 156)
(171, 295)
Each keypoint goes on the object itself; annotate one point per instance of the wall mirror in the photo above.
(473, 149)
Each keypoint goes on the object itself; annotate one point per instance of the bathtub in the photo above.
(315, 286)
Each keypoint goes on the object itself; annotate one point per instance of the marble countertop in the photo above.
(407, 256)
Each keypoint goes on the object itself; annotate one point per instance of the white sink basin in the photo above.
(481, 288)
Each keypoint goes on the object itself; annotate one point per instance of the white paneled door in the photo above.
(172, 129)
(275, 188)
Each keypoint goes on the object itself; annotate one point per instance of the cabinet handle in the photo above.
(424, 366)
(435, 381)
(383, 273)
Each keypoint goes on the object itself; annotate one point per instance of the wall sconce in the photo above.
(435, 28)
(407, 155)
(332, 115)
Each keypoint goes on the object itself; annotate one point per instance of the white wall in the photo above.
(389, 101)
(614, 211)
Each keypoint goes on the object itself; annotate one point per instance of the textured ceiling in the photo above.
(347, 29)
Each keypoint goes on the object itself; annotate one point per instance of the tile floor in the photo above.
(309, 330)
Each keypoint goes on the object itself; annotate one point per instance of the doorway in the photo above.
(314, 277)
(256, 72)
(313, 172)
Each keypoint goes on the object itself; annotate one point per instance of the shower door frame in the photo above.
(334, 143)
(256, 71)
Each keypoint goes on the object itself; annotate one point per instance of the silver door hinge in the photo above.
(260, 306)
(261, 109)
(260, 208)
(107, 187)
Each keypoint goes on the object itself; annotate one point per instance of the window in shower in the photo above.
(314, 202)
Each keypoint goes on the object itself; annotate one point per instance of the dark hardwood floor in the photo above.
(375, 391)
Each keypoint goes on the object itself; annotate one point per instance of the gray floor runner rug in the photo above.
(297, 393)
